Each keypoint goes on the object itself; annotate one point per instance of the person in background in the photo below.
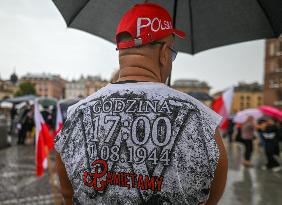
(248, 133)
(278, 124)
(22, 124)
(269, 131)
(13, 114)
(29, 124)
(237, 134)
(47, 116)
(280, 136)
(260, 127)
(230, 130)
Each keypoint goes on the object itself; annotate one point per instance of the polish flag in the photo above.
(44, 141)
(222, 106)
(59, 120)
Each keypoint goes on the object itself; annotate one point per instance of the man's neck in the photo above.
(138, 74)
(136, 78)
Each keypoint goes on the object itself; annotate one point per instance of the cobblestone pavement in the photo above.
(245, 186)
(18, 181)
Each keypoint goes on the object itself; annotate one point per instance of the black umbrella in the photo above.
(207, 23)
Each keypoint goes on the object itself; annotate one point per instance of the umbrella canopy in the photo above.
(208, 24)
(271, 111)
(242, 116)
(20, 99)
(202, 96)
(46, 102)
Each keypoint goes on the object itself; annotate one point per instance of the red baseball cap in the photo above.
(146, 23)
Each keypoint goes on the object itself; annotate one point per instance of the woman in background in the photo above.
(248, 134)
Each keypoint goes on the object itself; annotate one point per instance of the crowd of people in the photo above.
(269, 132)
(22, 121)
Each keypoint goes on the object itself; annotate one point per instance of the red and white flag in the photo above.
(59, 119)
(222, 105)
(44, 141)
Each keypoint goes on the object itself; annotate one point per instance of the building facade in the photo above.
(84, 87)
(76, 89)
(8, 88)
(247, 96)
(191, 85)
(94, 84)
(273, 73)
(46, 85)
(203, 97)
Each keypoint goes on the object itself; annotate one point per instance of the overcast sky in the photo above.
(34, 38)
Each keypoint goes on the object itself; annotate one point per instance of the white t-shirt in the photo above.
(139, 143)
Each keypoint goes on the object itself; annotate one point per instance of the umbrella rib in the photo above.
(191, 27)
(78, 12)
(267, 17)
(173, 23)
(174, 13)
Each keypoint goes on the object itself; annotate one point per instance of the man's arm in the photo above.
(66, 188)
(219, 181)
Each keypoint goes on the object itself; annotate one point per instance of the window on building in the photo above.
(248, 105)
(279, 65)
(248, 98)
(259, 100)
(272, 66)
(271, 49)
(242, 98)
(279, 95)
(273, 83)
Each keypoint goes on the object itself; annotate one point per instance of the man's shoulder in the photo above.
(151, 91)
(83, 103)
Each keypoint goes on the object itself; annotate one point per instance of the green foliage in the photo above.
(26, 88)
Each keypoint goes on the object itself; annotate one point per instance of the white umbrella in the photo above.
(6, 105)
(242, 116)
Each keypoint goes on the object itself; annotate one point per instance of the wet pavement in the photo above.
(251, 186)
(18, 181)
(245, 186)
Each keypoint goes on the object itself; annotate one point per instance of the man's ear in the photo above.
(164, 57)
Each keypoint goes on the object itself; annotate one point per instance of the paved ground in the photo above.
(253, 186)
(18, 182)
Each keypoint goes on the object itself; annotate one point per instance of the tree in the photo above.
(26, 88)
